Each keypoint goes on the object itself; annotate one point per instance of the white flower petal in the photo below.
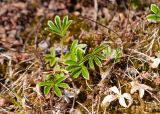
(129, 98)
(108, 99)
(140, 87)
(122, 102)
(115, 90)
(141, 93)
(156, 62)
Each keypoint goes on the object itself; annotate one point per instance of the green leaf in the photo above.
(65, 21)
(58, 27)
(50, 58)
(155, 9)
(73, 57)
(94, 52)
(68, 24)
(85, 72)
(47, 89)
(59, 80)
(63, 85)
(56, 31)
(72, 67)
(79, 54)
(100, 56)
(51, 25)
(98, 62)
(53, 28)
(67, 55)
(76, 73)
(70, 62)
(153, 17)
(52, 51)
(47, 83)
(91, 64)
(58, 22)
(99, 48)
(74, 45)
(108, 51)
(57, 91)
(52, 62)
(82, 46)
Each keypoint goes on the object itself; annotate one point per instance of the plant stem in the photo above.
(61, 43)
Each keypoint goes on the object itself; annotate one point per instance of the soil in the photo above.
(121, 24)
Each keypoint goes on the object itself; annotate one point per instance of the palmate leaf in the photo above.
(53, 28)
(76, 52)
(54, 81)
(94, 52)
(51, 58)
(77, 67)
(58, 27)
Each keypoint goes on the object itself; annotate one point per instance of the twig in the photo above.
(83, 107)
(95, 12)
(88, 86)
(148, 57)
(99, 100)
(102, 26)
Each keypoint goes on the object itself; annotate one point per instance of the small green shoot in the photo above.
(72, 59)
(55, 82)
(76, 58)
(156, 13)
(58, 27)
